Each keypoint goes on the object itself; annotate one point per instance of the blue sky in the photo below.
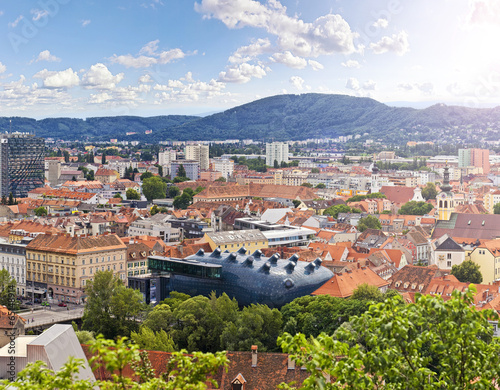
(87, 58)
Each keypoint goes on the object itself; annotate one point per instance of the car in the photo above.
(62, 304)
(45, 304)
(28, 303)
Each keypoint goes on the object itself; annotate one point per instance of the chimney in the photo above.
(291, 363)
(254, 355)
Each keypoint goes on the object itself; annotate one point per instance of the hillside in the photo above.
(283, 117)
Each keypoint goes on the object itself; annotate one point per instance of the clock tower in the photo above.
(444, 200)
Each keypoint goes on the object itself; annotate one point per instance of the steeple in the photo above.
(446, 187)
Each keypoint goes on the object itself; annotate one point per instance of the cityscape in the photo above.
(192, 231)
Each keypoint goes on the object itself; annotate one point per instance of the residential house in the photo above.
(487, 256)
(445, 252)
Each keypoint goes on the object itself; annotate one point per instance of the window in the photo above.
(448, 263)
(448, 256)
(90, 261)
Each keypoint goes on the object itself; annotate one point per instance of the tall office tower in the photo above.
(479, 158)
(276, 151)
(22, 166)
(198, 153)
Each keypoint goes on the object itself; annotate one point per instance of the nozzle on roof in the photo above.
(216, 253)
(289, 283)
(274, 258)
(249, 261)
(242, 250)
(257, 253)
(201, 252)
(266, 266)
(232, 256)
(318, 261)
(291, 265)
(294, 257)
(310, 267)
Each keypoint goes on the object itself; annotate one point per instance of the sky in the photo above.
(85, 58)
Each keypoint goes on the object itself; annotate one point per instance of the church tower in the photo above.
(444, 199)
(375, 179)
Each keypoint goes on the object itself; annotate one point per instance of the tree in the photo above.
(40, 211)
(415, 208)
(296, 203)
(154, 188)
(66, 156)
(181, 172)
(182, 201)
(8, 291)
(118, 196)
(11, 199)
(160, 170)
(496, 208)
(222, 179)
(369, 222)
(320, 185)
(103, 157)
(4, 199)
(173, 191)
(305, 184)
(132, 194)
(429, 191)
(315, 170)
(146, 175)
(367, 292)
(276, 164)
(153, 341)
(429, 344)
(111, 309)
(467, 272)
(334, 211)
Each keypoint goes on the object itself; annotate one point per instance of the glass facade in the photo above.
(22, 156)
(181, 267)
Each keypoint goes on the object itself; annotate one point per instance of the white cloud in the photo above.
(381, 23)
(39, 14)
(188, 91)
(369, 85)
(85, 22)
(145, 79)
(148, 56)
(484, 12)
(427, 88)
(397, 43)
(351, 64)
(289, 60)
(99, 77)
(1, 13)
(297, 82)
(328, 34)
(64, 79)
(99, 98)
(241, 73)
(352, 83)
(15, 22)
(3, 68)
(247, 53)
(405, 86)
(47, 56)
(315, 65)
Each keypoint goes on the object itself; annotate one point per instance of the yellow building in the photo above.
(445, 199)
(233, 240)
(490, 200)
(61, 265)
(487, 256)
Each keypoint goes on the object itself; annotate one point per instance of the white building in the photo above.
(192, 168)
(276, 151)
(165, 158)
(224, 166)
(13, 259)
(445, 253)
(156, 226)
(198, 153)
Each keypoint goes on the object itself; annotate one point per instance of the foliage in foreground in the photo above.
(190, 372)
(430, 344)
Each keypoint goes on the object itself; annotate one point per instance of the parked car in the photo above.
(46, 304)
(62, 304)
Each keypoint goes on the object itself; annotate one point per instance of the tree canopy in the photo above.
(154, 188)
(8, 291)
(369, 222)
(467, 272)
(415, 208)
(429, 191)
(334, 211)
(132, 194)
(496, 209)
(429, 344)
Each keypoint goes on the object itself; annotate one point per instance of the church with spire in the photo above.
(445, 199)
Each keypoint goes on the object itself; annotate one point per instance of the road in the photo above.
(41, 316)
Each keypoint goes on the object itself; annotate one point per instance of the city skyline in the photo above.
(157, 57)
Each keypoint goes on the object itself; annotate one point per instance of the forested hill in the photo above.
(282, 117)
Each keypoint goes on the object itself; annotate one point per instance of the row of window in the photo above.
(136, 264)
(14, 260)
(102, 269)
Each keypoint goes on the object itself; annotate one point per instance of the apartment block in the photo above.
(276, 151)
(198, 153)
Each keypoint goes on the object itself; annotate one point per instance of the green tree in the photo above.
(90, 175)
(334, 211)
(146, 175)
(305, 184)
(296, 203)
(154, 188)
(84, 336)
(173, 191)
(103, 157)
(369, 222)
(4, 199)
(111, 309)
(40, 211)
(118, 195)
(8, 291)
(223, 179)
(415, 208)
(11, 199)
(496, 208)
(320, 185)
(314, 170)
(181, 172)
(66, 156)
(276, 164)
(467, 272)
(429, 191)
(182, 201)
(132, 194)
(160, 318)
(429, 344)
(153, 341)
(367, 292)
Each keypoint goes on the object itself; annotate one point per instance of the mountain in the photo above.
(282, 117)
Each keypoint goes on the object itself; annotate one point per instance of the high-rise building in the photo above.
(198, 153)
(224, 166)
(22, 165)
(191, 167)
(276, 151)
(479, 158)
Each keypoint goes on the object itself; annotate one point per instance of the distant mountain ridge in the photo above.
(281, 117)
